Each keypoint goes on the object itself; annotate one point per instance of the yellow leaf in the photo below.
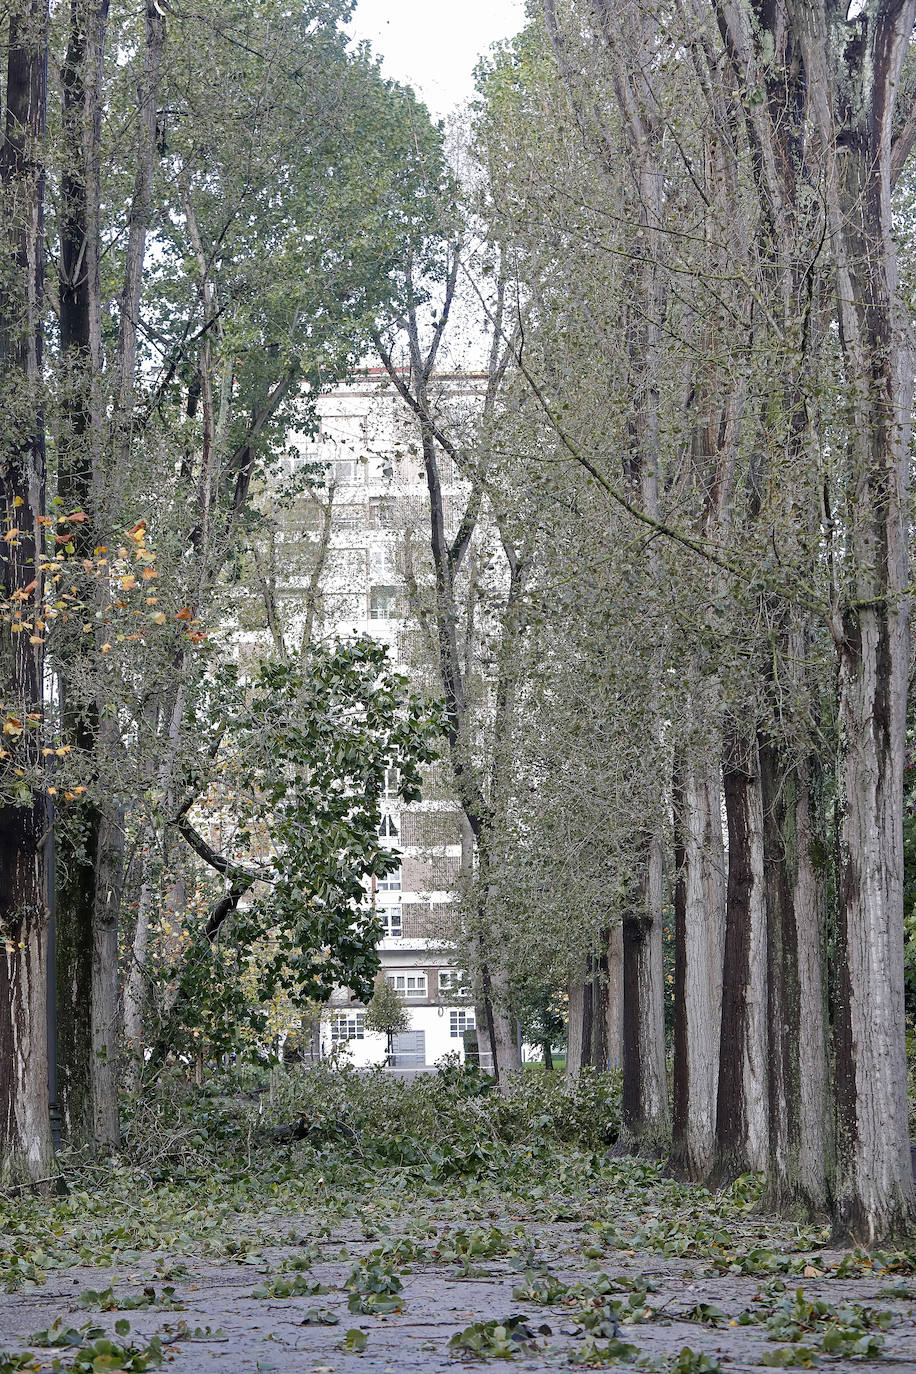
(52, 791)
(148, 574)
(106, 648)
(159, 618)
(128, 583)
(11, 534)
(35, 639)
(64, 749)
(18, 501)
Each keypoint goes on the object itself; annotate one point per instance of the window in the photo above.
(409, 983)
(381, 559)
(390, 884)
(346, 470)
(389, 827)
(392, 781)
(383, 603)
(381, 513)
(460, 1021)
(452, 980)
(391, 920)
(349, 517)
(347, 1025)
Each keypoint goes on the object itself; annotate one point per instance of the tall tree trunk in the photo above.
(503, 1033)
(485, 1023)
(615, 997)
(794, 856)
(137, 228)
(842, 72)
(873, 1188)
(78, 943)
(646, 1121)
(106, 1129)
(135, 984)
(698, 969)
(874, 1181)
(598, 1048)
(742, 1132)
(579, 1028)
(26, 1151)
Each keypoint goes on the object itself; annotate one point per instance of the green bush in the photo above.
(457, 1104)
(447, 1124)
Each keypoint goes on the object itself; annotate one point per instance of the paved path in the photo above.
(251, 1333)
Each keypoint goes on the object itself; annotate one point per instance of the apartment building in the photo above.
(378, 511)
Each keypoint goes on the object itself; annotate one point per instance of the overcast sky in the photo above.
(433, 45)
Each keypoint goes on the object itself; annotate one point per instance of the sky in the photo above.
(434, 45)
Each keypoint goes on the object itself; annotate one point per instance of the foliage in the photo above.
(386, 1012)
(502, 1339)
(297, 755)
(242, 1201)
(374, 1287)
(281, 1287)
(109, 1301)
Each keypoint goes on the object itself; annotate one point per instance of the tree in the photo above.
(775, 499)
(25, 1137)
(482, 786)
(175, 380)
(386, 1014)
(291, 769)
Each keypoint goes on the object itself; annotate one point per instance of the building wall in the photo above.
(369, 1050)
(380, 497)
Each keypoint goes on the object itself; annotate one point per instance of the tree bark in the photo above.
(26, 1152)
(742, 1131)
(794, 854)
(698, 970)
(645, 1121)
(86, 1052)
(615, 997)
(106, 1129)
(504, 1038)
(579, 1028)
(135, 983)
(138, 227)
(598, 1048)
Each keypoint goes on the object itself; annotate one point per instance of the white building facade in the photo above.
(379, 501)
